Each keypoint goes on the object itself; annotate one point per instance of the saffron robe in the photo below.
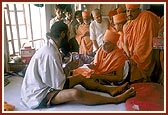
(111, 27)
(120, 42)
(104, 63)
(83, 39)
(139, 34)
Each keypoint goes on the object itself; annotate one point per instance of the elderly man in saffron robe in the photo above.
(110, 64)
(83, 36)
(140, 29)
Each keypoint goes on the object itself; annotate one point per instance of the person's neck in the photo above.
(57, 18)
(69, 19)
(56, 42)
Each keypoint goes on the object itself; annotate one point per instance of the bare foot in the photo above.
(120, 89)
(127, 94)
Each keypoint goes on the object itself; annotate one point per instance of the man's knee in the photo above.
(77, 94)
(81, 78)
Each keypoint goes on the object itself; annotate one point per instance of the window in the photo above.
(25, 24)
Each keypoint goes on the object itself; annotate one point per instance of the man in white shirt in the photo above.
(58, 15)
(98, 28)
(47, 83)
(68, 16)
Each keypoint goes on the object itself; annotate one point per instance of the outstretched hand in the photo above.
(74, 64)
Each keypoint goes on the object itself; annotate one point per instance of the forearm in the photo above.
(67, 71)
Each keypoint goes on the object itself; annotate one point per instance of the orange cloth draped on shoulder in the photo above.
(83, 39)
(104, 63)
(139, 34)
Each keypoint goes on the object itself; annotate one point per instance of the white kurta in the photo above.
(97, 31)
(43, 73)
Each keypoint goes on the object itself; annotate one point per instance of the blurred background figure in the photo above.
(97, 28)
(73, 26)
(58, 15)
(111, 14)
(83, 36)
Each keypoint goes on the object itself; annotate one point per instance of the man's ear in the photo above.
(62, 34)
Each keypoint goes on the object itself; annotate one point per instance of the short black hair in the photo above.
(67, 9)
(78, 12)
(58, 6)
(57, 28)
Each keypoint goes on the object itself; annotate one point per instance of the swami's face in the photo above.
(118, 27)
(86, 20)
(107, 46)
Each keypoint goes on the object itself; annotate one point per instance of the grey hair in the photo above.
(96, 11)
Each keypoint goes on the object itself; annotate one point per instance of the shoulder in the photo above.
(48, 49)
(92, 24)
(148, 17)
(147, 14)
(105, 20)
(52, 19)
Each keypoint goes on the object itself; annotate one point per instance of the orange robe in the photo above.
(120, 42)
(112, 28)
(83, 39)
(139, 34)
(105, 63)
